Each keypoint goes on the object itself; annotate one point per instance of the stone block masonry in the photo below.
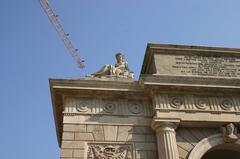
(79, 140)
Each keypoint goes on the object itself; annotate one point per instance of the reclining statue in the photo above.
(120, 69)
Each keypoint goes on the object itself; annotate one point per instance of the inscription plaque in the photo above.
(196, 65)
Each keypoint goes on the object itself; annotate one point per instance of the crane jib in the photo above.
(64, 36)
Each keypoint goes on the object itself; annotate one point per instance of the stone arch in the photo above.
(206, 144)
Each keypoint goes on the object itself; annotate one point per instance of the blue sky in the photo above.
(31, 52)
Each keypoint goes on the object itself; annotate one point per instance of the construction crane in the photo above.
(64, 36)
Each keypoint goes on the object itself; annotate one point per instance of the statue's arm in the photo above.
(126, 66)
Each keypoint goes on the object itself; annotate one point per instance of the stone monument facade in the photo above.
(185, 105)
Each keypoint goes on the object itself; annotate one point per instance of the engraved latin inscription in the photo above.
(207, 65)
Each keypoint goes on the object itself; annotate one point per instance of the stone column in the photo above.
(166, 140)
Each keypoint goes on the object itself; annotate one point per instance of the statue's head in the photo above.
(230, 128)
(119, 56)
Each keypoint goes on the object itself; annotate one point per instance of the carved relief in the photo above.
(229, 133)
(201, 103)
(109, 151)
(226, 104)
(135, 108)
(82, 106)
(109, 107)
(176, 102)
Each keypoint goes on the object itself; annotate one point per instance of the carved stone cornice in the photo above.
(185, 81)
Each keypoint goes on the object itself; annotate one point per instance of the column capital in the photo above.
(164, 125)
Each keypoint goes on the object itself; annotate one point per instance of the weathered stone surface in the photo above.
(146, 155)
(136, 137)
(110, 133)
(141, 154)
(145, 146)
(68, 136)
(118, 120)
(97, 131)
(181, 142)
(152, 155)
(78, 153)
(84, 136)
(182, 152)
(123, 132)
(73, 144)
(66, 153)
(150, 138)
(74, 128)
(187, 136)
(198, 133)
(142, 130)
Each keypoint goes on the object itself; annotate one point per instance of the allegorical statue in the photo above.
(120, 69)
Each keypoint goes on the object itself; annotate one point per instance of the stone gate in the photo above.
(185, 105)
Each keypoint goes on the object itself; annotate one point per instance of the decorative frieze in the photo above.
(109, 151)
(111, 107)
(194, 103)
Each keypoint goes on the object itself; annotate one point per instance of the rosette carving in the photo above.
(82, 106)
(226, 104)
(201, 103)
(135, 108)
(109, 107)
(176, 102)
